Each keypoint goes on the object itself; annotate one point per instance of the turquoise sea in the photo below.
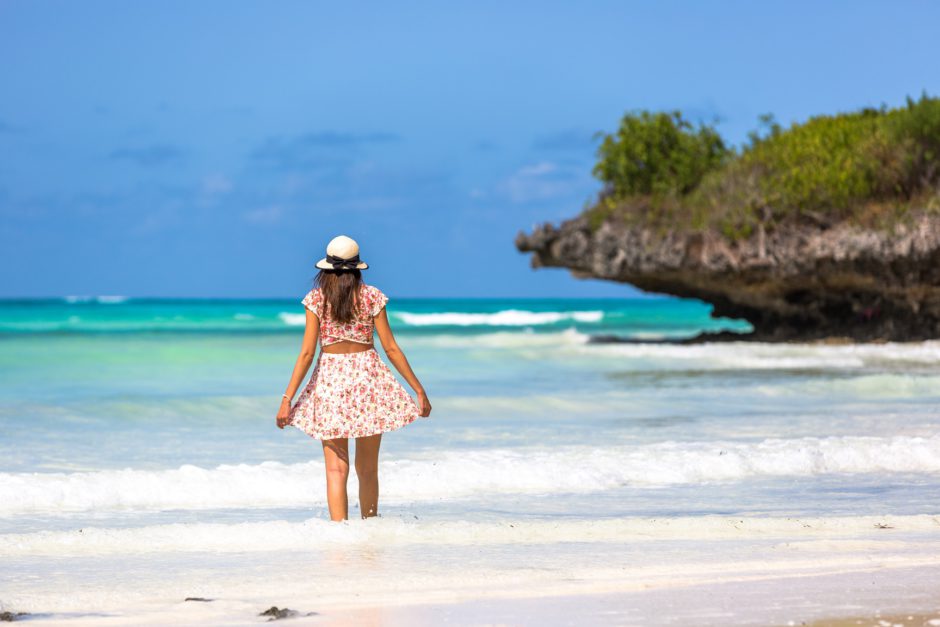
(137, 436)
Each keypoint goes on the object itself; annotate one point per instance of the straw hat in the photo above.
(342, 253)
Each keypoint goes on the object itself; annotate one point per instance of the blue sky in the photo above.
(213, 148)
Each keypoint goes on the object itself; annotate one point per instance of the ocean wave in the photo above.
(469, 474)
(105, 299)
(502, 339)
(280, 535)
(505, 318)
(759, 355)
(875, 386)
(293, 319)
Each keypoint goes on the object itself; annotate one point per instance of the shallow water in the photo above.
(146, 428)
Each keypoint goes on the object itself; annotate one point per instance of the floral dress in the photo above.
(351, 395)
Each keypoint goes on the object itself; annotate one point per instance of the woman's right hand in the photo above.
(424, 405)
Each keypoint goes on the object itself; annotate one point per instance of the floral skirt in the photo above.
(352, 395)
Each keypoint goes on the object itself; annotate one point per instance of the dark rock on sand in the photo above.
(798, 282)
(197, 599)
(9, 617)
(275, 613)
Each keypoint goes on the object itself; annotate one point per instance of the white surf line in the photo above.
(847, 533)
(469, 474)
(506, 317)
(760, 355)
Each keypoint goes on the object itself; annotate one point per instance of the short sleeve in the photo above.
(312, 301)
(378, 301)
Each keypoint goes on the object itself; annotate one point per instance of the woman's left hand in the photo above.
(283, 414)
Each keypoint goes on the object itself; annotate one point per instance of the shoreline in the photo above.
(903, 619)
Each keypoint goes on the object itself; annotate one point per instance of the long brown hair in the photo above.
(340, 290)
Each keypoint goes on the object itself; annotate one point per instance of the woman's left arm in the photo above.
(308, 349)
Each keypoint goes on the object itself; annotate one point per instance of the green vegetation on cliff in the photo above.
(870, 166)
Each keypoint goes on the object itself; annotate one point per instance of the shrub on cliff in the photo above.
(915, 129)
(657, 154)
(819, 169)
(869, 165)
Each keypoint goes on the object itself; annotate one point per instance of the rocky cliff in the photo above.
(795, 283)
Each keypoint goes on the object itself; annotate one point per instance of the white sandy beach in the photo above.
(677, 571)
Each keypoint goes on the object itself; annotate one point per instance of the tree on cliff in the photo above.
(658, 154)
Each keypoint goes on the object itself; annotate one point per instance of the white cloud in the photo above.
(212, 188)
(539, 169)
(264, 215)
(292, 183)
(539, 181)
(216, 184)
(167, 216)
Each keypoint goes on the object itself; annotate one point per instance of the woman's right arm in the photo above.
(308, 349)
(398, 359)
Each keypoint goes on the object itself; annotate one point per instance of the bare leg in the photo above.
(336, 456)
(367, 469)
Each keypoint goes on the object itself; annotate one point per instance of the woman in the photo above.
(351, 392)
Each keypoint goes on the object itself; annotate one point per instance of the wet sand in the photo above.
(915, 619)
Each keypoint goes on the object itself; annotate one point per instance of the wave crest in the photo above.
(468, 474)
(505, 318)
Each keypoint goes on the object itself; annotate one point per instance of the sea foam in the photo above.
(505, 318)
(293, 319)
(770, 356)
(106, 299)
(317, 533)
(458, 474)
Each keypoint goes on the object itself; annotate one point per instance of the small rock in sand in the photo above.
(275, 613)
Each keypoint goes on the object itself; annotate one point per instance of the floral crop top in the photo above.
(371, 301)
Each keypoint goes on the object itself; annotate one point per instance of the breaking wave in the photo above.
(469, 474)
